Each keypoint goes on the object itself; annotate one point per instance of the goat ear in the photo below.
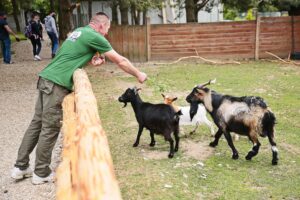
(174, 99)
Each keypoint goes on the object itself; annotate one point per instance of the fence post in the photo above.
(257, 34)
(86, 171)
(148, 36)
(293, 34)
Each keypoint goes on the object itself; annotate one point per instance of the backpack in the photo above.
(28, 31)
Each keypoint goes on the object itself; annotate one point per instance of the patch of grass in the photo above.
(20, 35)
(220, 177)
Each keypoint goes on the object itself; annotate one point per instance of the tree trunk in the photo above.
(65, 18)
(114, 9)
(79, 18)
(135, 15)
(52, 5)
(90, 2)
(124, 12)
(144, 17)
(15, 14)
(190, 12)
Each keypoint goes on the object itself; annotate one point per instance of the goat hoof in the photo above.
(235, 156)
(274, 162)
(213, 144)
(248, 157)
(152, 144)
(135, 145)
(176, 149)
(191, 133)
(171, 155)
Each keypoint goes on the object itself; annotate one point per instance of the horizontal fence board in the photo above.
(217, 39)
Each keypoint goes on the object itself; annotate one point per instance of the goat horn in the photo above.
(208, 83)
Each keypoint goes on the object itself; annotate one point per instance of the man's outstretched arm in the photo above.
(125, 65)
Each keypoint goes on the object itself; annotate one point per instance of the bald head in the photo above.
(100, 17)
(100, 23)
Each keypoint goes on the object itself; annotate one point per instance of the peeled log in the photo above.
(86, 154)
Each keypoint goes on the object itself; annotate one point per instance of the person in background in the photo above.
(5, 30)
(36, 35)
(51, 29)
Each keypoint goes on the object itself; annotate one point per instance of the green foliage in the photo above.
(6, 6)
(263, 6)
(249, 15)
(157, 85)
(230, 14)
(286, 5)
(41, 5)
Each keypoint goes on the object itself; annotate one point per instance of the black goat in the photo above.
(157, 118)
(246, 115)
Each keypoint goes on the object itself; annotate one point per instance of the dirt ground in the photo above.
(17, 99)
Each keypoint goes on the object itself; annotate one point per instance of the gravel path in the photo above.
(17, 99)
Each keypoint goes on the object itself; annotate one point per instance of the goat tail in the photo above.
(268, 123)
(177, 116)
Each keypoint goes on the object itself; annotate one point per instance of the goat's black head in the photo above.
(194, 100)
(199, 92)
(129, 95)
(197, 96)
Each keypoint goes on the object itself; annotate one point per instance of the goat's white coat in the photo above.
(236, 109)
(198, 119)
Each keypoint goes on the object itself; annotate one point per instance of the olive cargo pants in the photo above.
(43, 129)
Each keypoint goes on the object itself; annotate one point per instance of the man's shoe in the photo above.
(18, 174)
(36, 180)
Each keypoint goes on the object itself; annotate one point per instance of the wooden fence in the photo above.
(130, 41)
(244, 39)
(86, 171)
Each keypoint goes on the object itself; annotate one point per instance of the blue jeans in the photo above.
(54, 42)
(6, 50)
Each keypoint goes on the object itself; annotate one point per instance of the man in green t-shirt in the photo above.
(55, 82)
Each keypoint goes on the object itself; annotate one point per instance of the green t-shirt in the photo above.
(75, 52)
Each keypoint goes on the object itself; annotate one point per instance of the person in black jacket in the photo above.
(5, 42)
(36, 36)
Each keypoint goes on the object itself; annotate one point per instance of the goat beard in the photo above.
(125, 104)
(193, 109)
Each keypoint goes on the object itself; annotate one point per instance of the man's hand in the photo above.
(97, 60)
(142, 77)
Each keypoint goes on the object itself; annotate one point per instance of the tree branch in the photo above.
(201, 5)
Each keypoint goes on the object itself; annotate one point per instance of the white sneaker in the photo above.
(36, 180)
(36, 57)
(18, 174)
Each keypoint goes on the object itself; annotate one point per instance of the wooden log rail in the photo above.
(86, 171)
